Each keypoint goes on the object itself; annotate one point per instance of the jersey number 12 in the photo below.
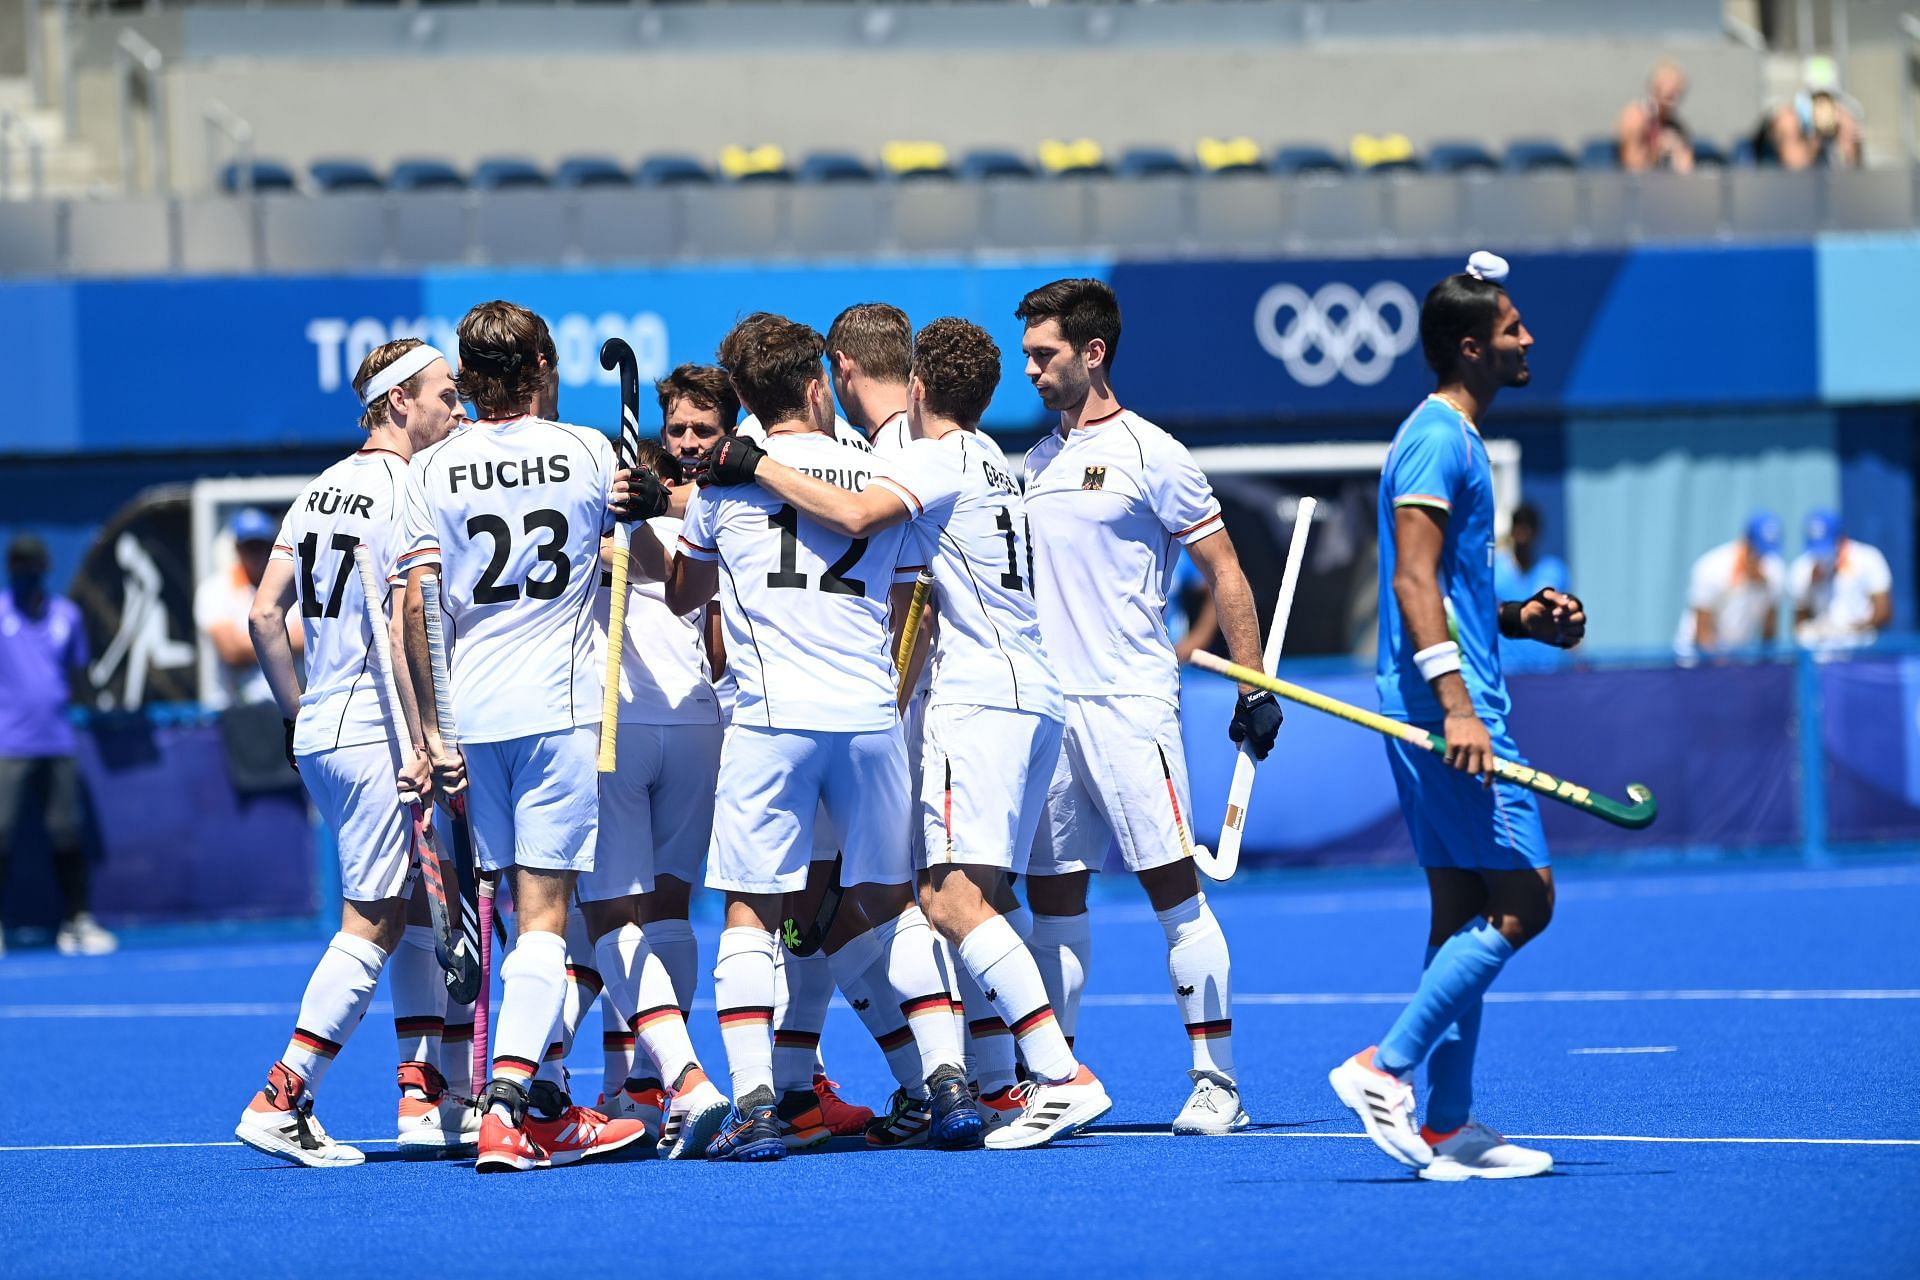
(834, 581)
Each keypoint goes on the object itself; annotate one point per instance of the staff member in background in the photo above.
(220, 606)
(1519, 573)
(1649, 133)
(43, 658)
(1842, 589)
(1733, 595)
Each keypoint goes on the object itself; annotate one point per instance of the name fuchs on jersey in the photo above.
(519, 473)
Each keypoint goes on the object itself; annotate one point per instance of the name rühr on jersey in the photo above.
(999, 479)
(331, 501)
(522, 473)
(842, 478)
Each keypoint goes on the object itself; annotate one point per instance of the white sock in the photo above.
(743, 992)
(418, 989)
(583, 988)
(659, 1028)
(336, 999)
(989, 1039)
(679, 951)
(617, 953)
(996, 958)
(1197, 963)
(860, 970)
(949, 966)
(1022, 921)
(1062, 947)
(914, 973)
(616, 1044)
(796, 1026)
(456, 1050)
(533, 990)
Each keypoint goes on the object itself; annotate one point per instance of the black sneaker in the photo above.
(751, 1133)
(956, 1123)
(904, 1125)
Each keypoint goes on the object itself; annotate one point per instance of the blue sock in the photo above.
(1450, 1067)
(1461, 972)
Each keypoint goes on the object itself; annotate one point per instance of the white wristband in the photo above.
(1436, 660)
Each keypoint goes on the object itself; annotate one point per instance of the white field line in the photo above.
(1639, 1048)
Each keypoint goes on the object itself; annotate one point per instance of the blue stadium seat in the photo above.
(264, 175)
(1460, 157)
(1530, 155)
(503, 173)
(1705, 152)
(344, 175)
(590, 171)
(425, 175)
(995, 164)
(835, 166)
(1746, 157)
(1151, 162)
(1304, 158)
(673, 171)
(1600, 153)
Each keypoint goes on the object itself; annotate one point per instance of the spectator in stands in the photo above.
(1842, 588)
(220, 607)
(1650, 133)
(1733, 598)
(43, 660)
(1521, 572)
(1817, 127)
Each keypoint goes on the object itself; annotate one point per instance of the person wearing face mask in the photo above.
(43, 659)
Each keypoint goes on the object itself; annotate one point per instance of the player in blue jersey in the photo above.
(1479, 841)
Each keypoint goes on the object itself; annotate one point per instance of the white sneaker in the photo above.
(83, 936)
(693, 1118)
(1475, 1151)
(1051, 1111)
(280, 1122)
(649, 1108)
(433, 1121)
(1384, 1103)
(1213, 1107)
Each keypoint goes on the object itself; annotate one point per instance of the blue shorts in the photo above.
(1457, 822)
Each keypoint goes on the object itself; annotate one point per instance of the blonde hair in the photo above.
(375, 414)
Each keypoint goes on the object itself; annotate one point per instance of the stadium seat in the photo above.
(1530, 155)
(1223, 157)
(503, 173)
(995, 164)
(1305, 158)
(1746, 157)
(590, 171)
(764, 163)
(1705, 153)
(673, 171)
(907, 159)
(1600, 153)
(1067, 159)
(258, 175)
(1151, 162)
(835, 166)
(1387, 153)
(1460, 157)
(425, 175)
(344, 175)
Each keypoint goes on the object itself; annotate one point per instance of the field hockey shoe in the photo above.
(1052, 1111)
(647, 1104)
(280, 1122)
(842, 1118)
(433, 1122)
(801, 1124)
(752, 1131)
(1000, 1108)
(904, 1125)
(694, 1116)
(569, 1134)
(955, 1122)
(1213, 1108)
(1384, 1103)
(1475, 1151)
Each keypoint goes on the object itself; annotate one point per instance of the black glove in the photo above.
(1256, 722)
(733, 461)
(646, 496)
(291, 762)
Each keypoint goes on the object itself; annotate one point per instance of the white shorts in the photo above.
(354, 789)
(656, 809)
(535, 801)
(773, 783)
(984, 784)
(1121, 776)
(825, 845)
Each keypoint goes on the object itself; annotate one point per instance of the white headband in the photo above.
(1487, 266)
(400, 370)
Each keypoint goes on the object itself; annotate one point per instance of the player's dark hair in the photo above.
(704, 386)
(1527, 514)
(772, 365)
(959, 365)
(654, 456)
(739, 337)
(375, 414)
(1457, 308)
(877, 337)
(501, 346)
(1086, 309)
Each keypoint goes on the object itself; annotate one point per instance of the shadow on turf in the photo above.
(1122, 1130)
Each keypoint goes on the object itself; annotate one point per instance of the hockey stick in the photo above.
(1638, 811)
(1220, 864)
(615, 351)
(460, 963)
(476, 888)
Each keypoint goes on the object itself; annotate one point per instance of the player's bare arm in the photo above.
(1419, 533)
(690, 583)
(449, 768)
(416, 774)
(267, 621)
(738, 460)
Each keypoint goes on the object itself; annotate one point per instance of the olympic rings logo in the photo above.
(1337, 331)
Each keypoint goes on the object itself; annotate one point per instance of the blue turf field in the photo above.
(1777, 1008)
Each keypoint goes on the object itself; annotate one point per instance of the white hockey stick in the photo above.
(1221, 865)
